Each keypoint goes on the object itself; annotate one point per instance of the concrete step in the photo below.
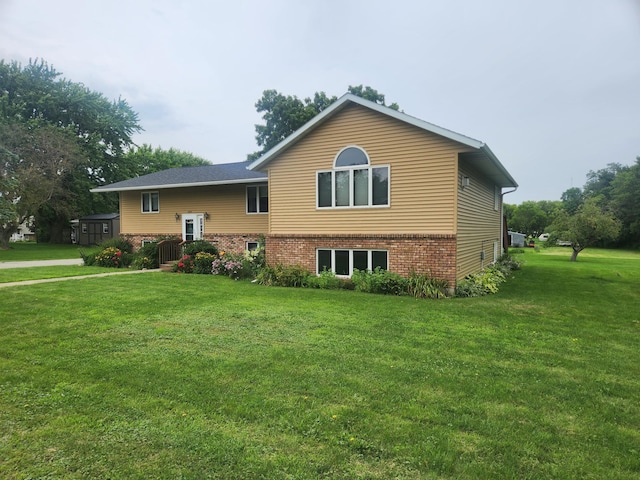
(166, 267)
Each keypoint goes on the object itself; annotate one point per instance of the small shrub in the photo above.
(119, 243)
(88, 259)
(379, 281)
(230, 265)
(146, 256)
(326, 280)
(184, 265)
(198, 246)
(483, 283)
(284, 276)
(423, 286)
(111, 257)
(254, 261)
(202, 263)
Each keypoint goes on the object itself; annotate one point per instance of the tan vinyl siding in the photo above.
(478, 222)
(225, 204)
(422, 176)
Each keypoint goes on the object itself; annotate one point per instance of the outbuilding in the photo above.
(516, 239)
(96, 228)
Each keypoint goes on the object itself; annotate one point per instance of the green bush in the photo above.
(88, 259)
(113, 257)
(199, 246)
(203, 262)
(327, 280)
(146, 256)
(119, 243)
(184, 265)
(379, 281)
(284, 276)
(423, 286)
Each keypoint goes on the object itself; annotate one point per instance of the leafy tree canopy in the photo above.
(36, 98)
(283, 115)
(591, 225)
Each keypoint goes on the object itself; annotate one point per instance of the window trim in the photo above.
(366, 155)
(350, 250)
(246, 245)
(150, 202)
(105, 228)
(246, 203)
(351, 170)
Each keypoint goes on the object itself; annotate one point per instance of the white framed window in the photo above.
(352, 182)
(258, 199)
(150, 202)
(251, 246)
(497, 191)
(105, 228)
(343, 261)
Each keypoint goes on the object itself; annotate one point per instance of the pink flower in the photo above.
(181, 265)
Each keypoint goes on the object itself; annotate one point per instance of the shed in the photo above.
(516, 239)
(96, 228)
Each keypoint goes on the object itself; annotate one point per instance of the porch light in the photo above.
(177, 217)
(206, 215)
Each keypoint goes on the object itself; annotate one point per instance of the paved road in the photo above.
(41, 263)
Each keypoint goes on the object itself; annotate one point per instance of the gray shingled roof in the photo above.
(221, 174)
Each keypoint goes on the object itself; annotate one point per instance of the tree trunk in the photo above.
(575, 253)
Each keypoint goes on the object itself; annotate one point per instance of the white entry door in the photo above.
(192, 226)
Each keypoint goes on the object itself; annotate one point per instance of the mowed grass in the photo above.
(8, 275)
(24, 251)
(189, 376)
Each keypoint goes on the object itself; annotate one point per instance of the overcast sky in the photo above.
(552, 86)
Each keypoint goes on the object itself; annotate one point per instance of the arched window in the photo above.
(351, 156)
(353, 182)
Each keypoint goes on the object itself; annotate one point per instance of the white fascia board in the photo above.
(338, 104)
(179, 185)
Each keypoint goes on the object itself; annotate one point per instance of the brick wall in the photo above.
(432, 254)
(232, 242)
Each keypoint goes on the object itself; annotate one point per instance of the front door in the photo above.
(192, 226)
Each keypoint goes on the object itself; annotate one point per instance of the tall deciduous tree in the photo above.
(625, 201)
(589, 226)
(101, 128)
(34, 160)
(283, 115)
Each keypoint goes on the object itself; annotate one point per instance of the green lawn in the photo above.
(35, 273)
(188, 376)
(23, 251)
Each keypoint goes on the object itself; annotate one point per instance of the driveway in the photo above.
(41, 263)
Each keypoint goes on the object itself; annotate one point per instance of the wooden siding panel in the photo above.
(226, 205)
(422, 178)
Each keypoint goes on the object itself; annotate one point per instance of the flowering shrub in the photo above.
(203, 262)
(184, 265)
(254, 261)
(228, 264)
(110, 257)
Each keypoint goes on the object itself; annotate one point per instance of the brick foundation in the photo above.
(228, 242)
(432, 254)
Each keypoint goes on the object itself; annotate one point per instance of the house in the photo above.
(225, 204)
(24, 232)
(96, 228)
(359, 186)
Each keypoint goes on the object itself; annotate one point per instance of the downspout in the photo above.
(502, 217)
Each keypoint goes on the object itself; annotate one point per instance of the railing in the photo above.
(169, 250)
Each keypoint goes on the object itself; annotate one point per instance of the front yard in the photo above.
(198, 376)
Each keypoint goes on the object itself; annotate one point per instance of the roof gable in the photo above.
(498, 173)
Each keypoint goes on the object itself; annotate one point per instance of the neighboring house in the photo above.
(24, 233)
(96, 228)
(358, 186)
(517, 239)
